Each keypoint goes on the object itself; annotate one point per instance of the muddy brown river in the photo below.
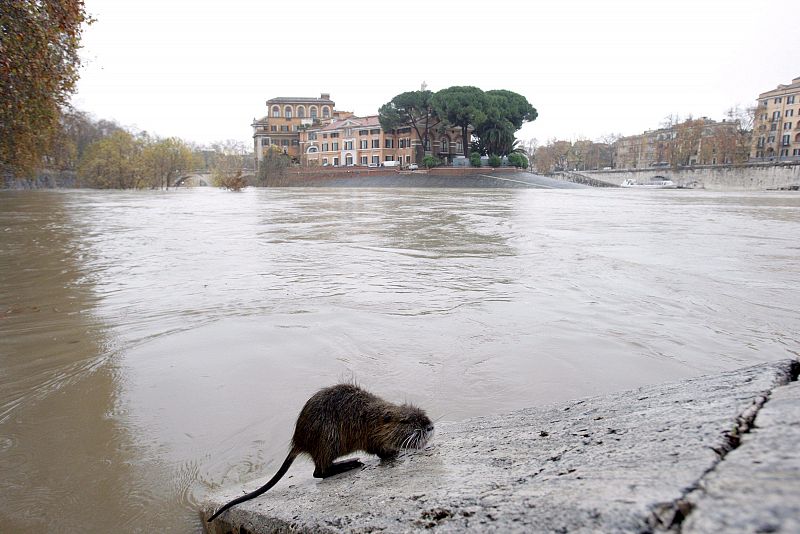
(155, 346)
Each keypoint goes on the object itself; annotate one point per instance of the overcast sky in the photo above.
(202, 70)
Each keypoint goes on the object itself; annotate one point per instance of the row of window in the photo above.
(348, 160)
(785, 140)
(266, 141)
(301, 112)
(779, 99)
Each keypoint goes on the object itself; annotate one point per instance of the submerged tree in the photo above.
(39, 41)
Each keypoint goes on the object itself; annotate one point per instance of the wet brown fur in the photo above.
(343, 419)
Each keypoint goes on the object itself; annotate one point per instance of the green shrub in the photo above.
(475, 159)
(518, 160)
(495, 160)
(431, 161)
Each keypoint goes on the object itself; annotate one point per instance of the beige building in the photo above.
(692, 142)
(361, 141)
(286, 116)
(313, 133)
(776, 132)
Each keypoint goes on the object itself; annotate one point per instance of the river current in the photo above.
(156, 346)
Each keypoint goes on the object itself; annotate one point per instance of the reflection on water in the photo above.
(155, 345)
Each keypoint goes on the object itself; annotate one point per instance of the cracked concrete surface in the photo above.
(639, 461)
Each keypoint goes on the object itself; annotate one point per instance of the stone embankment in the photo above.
(454, 177)
(712, 454)
(751, 177)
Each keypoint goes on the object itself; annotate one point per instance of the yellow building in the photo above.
(776, 132)
(313, 133)
(286, 116)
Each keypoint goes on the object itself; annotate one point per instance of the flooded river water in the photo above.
(155, 346)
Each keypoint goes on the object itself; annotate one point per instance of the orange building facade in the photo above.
(313, 133)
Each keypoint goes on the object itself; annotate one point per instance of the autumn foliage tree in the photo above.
(39, 42)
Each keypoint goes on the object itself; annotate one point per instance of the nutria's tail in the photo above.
(274, 480)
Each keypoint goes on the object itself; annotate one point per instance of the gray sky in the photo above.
(202, 70)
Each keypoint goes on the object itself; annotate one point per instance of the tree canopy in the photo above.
(39, 40)
(411, 107)
(462, 107)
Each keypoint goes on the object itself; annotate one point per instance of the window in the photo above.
(771, 139)
(363, 143)
(376, 143)
(265, 141)
(389, 158)
(796, 152)
(408, 159)
(760, 143)
(312, 136)
(324, 161)
(788, 113)
(273, 128)
(787, 125)
(276, 111)
(284, 127)
(797, 138)
(785, 140)
(777, 100)
(348, 160)
(402, 143)
(295, 142)
(388, 143)
(284, 142)
(312, 150)
(326, 113)
(375, 131)
(364, 160)
(313, 112)
(790, 99)
(335, 134)
(444, 144)
(363, 132)
(773, 126)
(335, 146)
(324, 147)
(301, 111)
(458, 147)
(335, 162)
(776, 115)
(324, 136)
(376, 159)
(784, 152)
(287, 112)
(348, 145)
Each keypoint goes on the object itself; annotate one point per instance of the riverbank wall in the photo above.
(750, 177)
(711, 454)
(444, 177)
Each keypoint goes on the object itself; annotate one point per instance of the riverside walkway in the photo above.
(711, 454)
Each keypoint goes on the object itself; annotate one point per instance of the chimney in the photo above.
(325, 96)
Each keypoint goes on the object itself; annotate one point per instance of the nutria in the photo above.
(342, 419)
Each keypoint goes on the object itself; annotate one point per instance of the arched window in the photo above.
(445, 145)
(287, 112)
(326, 112)
(276, 111)
(301, 111)
(348, 160)
(797, 138)
(311, 150)
(313, 112)
(459, 147)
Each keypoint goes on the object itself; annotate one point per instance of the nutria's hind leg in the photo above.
(336, 467)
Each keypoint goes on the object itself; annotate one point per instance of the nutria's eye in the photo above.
(387, 418)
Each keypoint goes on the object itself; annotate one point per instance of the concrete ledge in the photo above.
(651, 459)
